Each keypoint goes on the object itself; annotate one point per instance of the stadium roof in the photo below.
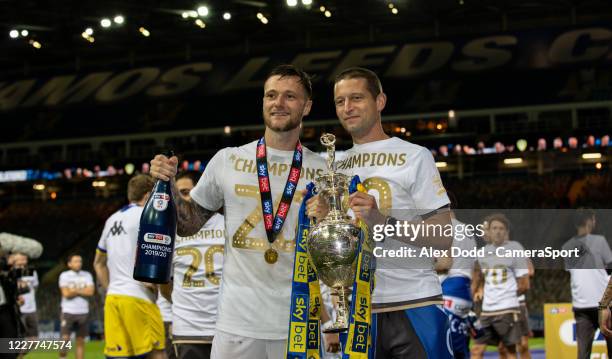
(58, 26)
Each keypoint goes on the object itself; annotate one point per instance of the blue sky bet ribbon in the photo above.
(304, 339)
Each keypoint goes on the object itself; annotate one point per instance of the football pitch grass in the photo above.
(95, 350)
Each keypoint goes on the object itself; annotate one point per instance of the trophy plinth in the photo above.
(333, 242)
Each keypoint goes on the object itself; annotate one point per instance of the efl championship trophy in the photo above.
(333, 242)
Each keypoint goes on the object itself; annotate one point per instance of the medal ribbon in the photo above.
(274, 223)
(304, 339)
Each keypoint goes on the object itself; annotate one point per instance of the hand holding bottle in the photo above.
(163, 167)
(157, 229)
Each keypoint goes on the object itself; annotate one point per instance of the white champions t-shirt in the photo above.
(119, 241)
(255, 295)
(402, 176)
(500, 274)
(198, 262)
(29, 304)
(589, 278)
(71, 279)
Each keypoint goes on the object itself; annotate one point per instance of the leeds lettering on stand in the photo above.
(394, 61)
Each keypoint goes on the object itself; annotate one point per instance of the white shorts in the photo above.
(232, 346)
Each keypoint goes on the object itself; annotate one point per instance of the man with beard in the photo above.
(253, 312)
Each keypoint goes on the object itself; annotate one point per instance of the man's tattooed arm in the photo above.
(190, 215)
(607, 296)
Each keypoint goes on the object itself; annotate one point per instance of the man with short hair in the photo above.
(76, 286)
(522, 346)
(505, 278)
(589, 278)
(253, 312)
(133, 325)
(407, 302)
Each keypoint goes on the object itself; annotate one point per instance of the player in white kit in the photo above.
(253, 312)
(409, 321)
(75, 285)
(133, 324)
(197, 262)
(589, 278)
(505, 278)
(523, 320)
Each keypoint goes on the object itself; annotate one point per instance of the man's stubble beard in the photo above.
(359, 130)
(292, 124)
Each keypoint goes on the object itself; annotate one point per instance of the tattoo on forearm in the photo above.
(607, 297)
(190, 217)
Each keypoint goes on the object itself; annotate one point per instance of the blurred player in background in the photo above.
(76, 286)
(198, 262)
(500, 283)
(523, 345)
(456, 284)
(589, 278)
(133, 325)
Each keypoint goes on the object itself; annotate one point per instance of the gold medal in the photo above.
(271, 255)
